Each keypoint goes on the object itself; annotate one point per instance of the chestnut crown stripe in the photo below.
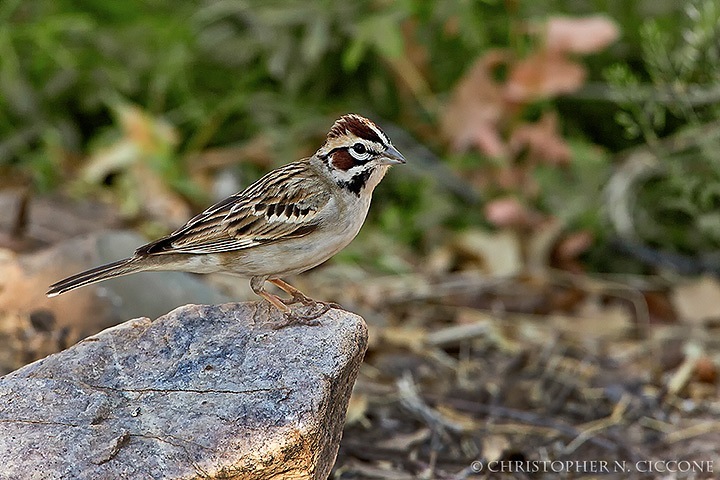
(358, 127)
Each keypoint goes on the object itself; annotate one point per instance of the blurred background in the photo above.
(551, 245)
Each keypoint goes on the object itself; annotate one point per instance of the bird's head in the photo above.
(357, 153)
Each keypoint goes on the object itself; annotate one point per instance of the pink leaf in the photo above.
(542, 141)
(542, 75)
(509, 212)
(476, 107)
(580, 35)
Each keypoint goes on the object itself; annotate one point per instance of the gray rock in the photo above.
(202, 392)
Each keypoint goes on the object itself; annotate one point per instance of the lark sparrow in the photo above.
(289, 221)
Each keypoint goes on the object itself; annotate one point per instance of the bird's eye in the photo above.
(359, 148)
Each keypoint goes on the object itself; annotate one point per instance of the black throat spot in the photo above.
(357, 183)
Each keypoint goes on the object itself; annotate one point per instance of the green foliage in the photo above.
(676, 209)
(205, 64)
(63, 64)
(681, 66)
(574, 194)
(222, 73)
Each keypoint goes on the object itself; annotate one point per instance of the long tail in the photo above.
(94, 275)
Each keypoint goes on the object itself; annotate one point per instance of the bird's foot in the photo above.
(309, 317)
(294, 318)
(309, 302)
(299, 297)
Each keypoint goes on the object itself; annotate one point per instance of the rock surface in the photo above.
(202, 392)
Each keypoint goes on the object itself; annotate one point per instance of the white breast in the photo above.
(340, 221)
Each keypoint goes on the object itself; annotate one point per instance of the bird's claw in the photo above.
(293, 318)
(309, 302)
(301, 298)
(308, 318)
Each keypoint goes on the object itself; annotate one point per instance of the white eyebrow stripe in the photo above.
(380, 133)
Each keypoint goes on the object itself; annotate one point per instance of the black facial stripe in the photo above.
(357, 182)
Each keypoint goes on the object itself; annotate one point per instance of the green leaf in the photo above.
(316, 41)
(384, 32)
(353, 55)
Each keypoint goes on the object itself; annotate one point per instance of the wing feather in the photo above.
(283, 204)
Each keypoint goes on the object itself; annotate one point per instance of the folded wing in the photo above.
(278, 207)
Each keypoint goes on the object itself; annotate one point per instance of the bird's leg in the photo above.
(298, 296)
(292, 318)
(256, 283)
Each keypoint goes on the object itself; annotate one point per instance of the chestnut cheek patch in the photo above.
(342, 160)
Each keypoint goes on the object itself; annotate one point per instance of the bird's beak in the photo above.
(391, 157)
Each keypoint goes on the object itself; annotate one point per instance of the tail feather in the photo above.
(94, 275)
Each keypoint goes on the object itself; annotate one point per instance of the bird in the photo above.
(289, 221)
